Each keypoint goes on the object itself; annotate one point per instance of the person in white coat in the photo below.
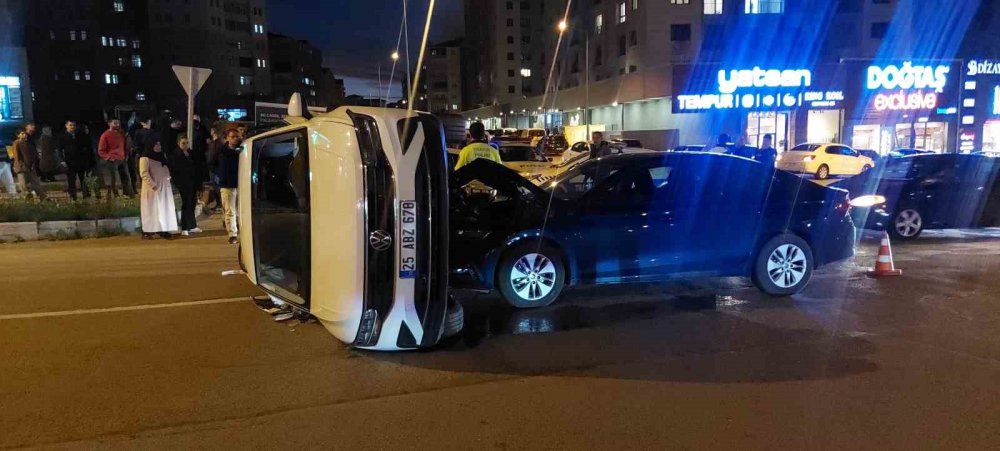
(159, 216)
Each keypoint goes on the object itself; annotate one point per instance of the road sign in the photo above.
(192, 79)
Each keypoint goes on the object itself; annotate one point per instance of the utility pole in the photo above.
(586, 85)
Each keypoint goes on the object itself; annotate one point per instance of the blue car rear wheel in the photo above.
(783, 266)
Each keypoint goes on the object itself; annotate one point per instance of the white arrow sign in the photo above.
(192, 79)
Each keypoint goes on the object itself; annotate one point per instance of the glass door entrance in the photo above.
(760, 123)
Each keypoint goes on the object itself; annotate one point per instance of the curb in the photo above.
(34, 231)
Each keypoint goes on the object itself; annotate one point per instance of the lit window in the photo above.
(246, 80)
(621, 12)
(104, 41)
(52, 35)
(258, 29)
(110, 79)
(713, 7)
(261, 63)
(83, 35)
(119, 6)
(635, 5)
(122, 42)
(764, 6)
(135, 43)
(599, 23)
(140, 96)
(86, 75)
(136, 61)
(72, 35)
(526, 73)
(76, 75)
(312, 92)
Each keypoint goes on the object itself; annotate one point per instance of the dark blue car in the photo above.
(639, 218)
(908, 195)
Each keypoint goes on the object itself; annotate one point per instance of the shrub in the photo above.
(22, 210)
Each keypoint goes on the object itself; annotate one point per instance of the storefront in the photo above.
(981, 106)
(904, 105)
(11, 103)
(793, 105)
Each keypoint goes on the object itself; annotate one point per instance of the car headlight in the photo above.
(867, 201)
(808, 159)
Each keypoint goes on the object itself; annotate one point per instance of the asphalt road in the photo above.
(104, 344)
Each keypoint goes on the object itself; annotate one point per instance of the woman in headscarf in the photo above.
(159, 216)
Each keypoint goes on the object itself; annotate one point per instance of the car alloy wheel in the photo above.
(533, 277)
(908, 223)
(823, 172)
(786, 266)
(866, 168)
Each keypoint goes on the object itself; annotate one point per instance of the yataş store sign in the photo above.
(911, 87)
(760, 88)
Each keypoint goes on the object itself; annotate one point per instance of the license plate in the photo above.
(408, 239)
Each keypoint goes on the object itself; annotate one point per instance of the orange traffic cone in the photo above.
(883, 263)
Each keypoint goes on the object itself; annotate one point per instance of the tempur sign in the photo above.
(759, 88)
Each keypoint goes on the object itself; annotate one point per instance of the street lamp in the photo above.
(563, 25)
(395, 56)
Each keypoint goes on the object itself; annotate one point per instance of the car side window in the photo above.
(833, 150)
(631, 190)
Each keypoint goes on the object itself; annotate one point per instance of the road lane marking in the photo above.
(122, 309)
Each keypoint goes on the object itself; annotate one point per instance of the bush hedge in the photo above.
(23, 210)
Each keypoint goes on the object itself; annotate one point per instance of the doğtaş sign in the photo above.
(900, 81)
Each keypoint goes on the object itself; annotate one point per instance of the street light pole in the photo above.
(586, 85)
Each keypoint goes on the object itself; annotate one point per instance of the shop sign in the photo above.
(996, 100)
(12, 82)
(976, 67)
(908, 77)
(929, 81)
(759, 88)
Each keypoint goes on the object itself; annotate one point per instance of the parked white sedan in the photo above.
(824, 160)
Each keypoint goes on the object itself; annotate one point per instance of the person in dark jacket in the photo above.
(199, 148)
(210, 191)
(49, 164)
(74, 148)
(227, 168)
(767, 155)
(184, 175)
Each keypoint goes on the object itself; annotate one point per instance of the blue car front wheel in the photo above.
(531, 275)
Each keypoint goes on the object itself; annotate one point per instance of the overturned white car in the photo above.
(345, 216)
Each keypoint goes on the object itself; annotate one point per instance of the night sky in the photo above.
(358, 35)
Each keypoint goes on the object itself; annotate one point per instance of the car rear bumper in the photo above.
(799, 166)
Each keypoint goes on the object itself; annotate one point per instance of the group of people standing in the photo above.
(171, 159)
(766, 154)
(149, 161)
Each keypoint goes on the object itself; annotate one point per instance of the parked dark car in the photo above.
(555, 145)
(643, 217)
(907, 152)
(627, 143)
(690, 148)
(908, 195)
(870, 154)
